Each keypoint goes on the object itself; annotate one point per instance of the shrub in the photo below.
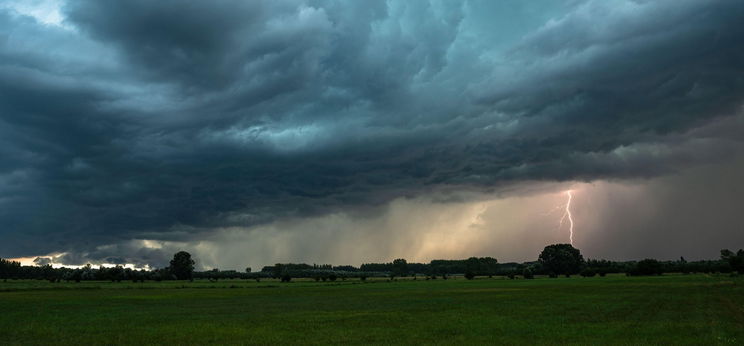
(286, 278)
(469, 275)
(647, 267)
(527, 273)
(588, 272)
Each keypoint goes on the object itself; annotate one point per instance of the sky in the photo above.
(255, 132)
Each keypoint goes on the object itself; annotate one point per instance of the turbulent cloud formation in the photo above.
(128, 122)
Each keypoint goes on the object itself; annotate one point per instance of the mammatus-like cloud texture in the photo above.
(162, 120)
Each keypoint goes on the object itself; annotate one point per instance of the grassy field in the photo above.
(671, 309)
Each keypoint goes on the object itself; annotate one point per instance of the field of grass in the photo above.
(670, 309)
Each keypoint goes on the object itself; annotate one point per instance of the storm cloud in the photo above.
(126, 122)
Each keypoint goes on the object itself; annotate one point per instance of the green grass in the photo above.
(671, 309)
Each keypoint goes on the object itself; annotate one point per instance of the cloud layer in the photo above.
(165, 121)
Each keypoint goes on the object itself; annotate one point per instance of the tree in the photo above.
(561, 259)
(472, 267)
(489, 266)
(400, 267)
(480, 266)
(9, 269)
(647, 267)
(588, 272)
(182, 266)
(278, 270)
(116, 273)
(248, 270)
(735, 260)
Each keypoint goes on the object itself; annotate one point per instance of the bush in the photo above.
(332, 277)
(587, 273)
(647, 267)
(469, 275)
(527, 273)
(286, 278)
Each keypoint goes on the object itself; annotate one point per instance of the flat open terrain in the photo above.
(671, 309)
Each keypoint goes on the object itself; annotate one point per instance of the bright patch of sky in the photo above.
(44, 11)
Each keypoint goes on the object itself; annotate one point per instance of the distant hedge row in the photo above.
(554, 260)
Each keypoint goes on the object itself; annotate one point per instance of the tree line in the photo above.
(554, 260)
(181, 268)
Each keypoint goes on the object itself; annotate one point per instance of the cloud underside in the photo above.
(165, 121)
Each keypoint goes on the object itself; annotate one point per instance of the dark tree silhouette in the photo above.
(647, 267)
(561, 259)
(182, 266)
(480, 266)
(400, 267)
(588, 272)
(735, 260)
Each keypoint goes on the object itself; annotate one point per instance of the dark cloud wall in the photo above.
(142, 120)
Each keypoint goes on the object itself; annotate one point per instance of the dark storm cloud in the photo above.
(160, 120)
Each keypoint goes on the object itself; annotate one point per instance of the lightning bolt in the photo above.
(567, 214)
